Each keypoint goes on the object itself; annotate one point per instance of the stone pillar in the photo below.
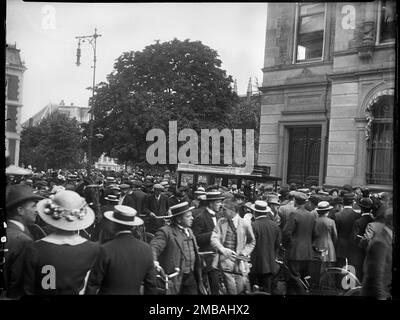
(361, 153)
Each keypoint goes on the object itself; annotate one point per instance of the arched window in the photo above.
(380, 144)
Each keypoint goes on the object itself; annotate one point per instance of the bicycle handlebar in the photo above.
(168, 276)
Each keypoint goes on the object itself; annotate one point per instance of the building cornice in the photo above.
(357, 73)
(298, 66)
(296, 85)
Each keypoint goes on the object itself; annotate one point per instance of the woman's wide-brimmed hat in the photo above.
(324, 206)
(66, 210)
(179, 209)
(259, 206)
(124, 215)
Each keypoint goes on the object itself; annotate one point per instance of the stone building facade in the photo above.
(15, 69)
(328, 93)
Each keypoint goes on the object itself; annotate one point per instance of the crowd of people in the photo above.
(70, 234)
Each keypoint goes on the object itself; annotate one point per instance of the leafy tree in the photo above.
(54, 143)
(175, 80)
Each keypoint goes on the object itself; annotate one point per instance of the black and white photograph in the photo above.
(200, 149)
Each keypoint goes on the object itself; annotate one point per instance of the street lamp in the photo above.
(92, 39)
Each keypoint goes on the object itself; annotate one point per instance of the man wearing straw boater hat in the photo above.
(203, 226)
(21, 212)
(233, 237)
(268, 240)
(174, 246)
(124, 263)
(60, 262)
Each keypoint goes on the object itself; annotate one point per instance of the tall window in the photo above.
(310, 31)
(380, 148)
(386, 21)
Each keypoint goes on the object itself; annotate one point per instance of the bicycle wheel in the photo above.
(336, 282)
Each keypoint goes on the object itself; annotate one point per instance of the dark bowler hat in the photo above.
(336, 200)
(314, 199)
(349, 196)
(214, 195)
(179, 209)
(19, 193)
(348, 188)
(124, 215)
(365, 203)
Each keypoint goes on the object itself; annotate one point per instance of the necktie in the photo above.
(231, 225)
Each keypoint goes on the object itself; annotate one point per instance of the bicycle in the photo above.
(164, 288)
(206, 282)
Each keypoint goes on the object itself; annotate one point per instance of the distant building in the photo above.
(328, 93)
(15, 69)
(107, 163)
(81, 114)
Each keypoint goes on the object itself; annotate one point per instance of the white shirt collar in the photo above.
(212, 212)
(158, 198)
(124, 231)
(235, 220)
(262, 216)
(365, 214)
(18, 224)
(350, 207)
(64, 239)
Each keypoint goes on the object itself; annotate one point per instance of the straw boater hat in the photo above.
(214, 195)
(323, 206)
(158, 187)
(259, 206)
(111, 197)
(200, 191)
(66, 210)
(179, 209)
(124, 215)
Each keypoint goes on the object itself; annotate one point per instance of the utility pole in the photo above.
(92, 40)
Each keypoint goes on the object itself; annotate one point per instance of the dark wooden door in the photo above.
(304, 155)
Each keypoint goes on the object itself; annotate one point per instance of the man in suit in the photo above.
(125, 199)
(286, 209)
(345, 220)
(117, 269)
(298, 236)
(268, 239)
(156, 205)
(231, 238)
(377, 280)
(175, 246)
(21, 212)
(358, 232)
(203, 225)
(138, 196)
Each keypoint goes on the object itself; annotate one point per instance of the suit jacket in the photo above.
(159, 208)
(124, 263)
(129, 201)
(284, 213)
(325, 236)
(377, 281)
(298, 235)
(268, 239)
(245, 239)
(139, 198)
(203, 226)
(346, 246)
(17, 241)
(168, 249)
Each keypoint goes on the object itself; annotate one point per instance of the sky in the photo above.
(45, 33)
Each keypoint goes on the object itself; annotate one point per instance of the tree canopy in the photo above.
(171, 81)
(54, 143)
